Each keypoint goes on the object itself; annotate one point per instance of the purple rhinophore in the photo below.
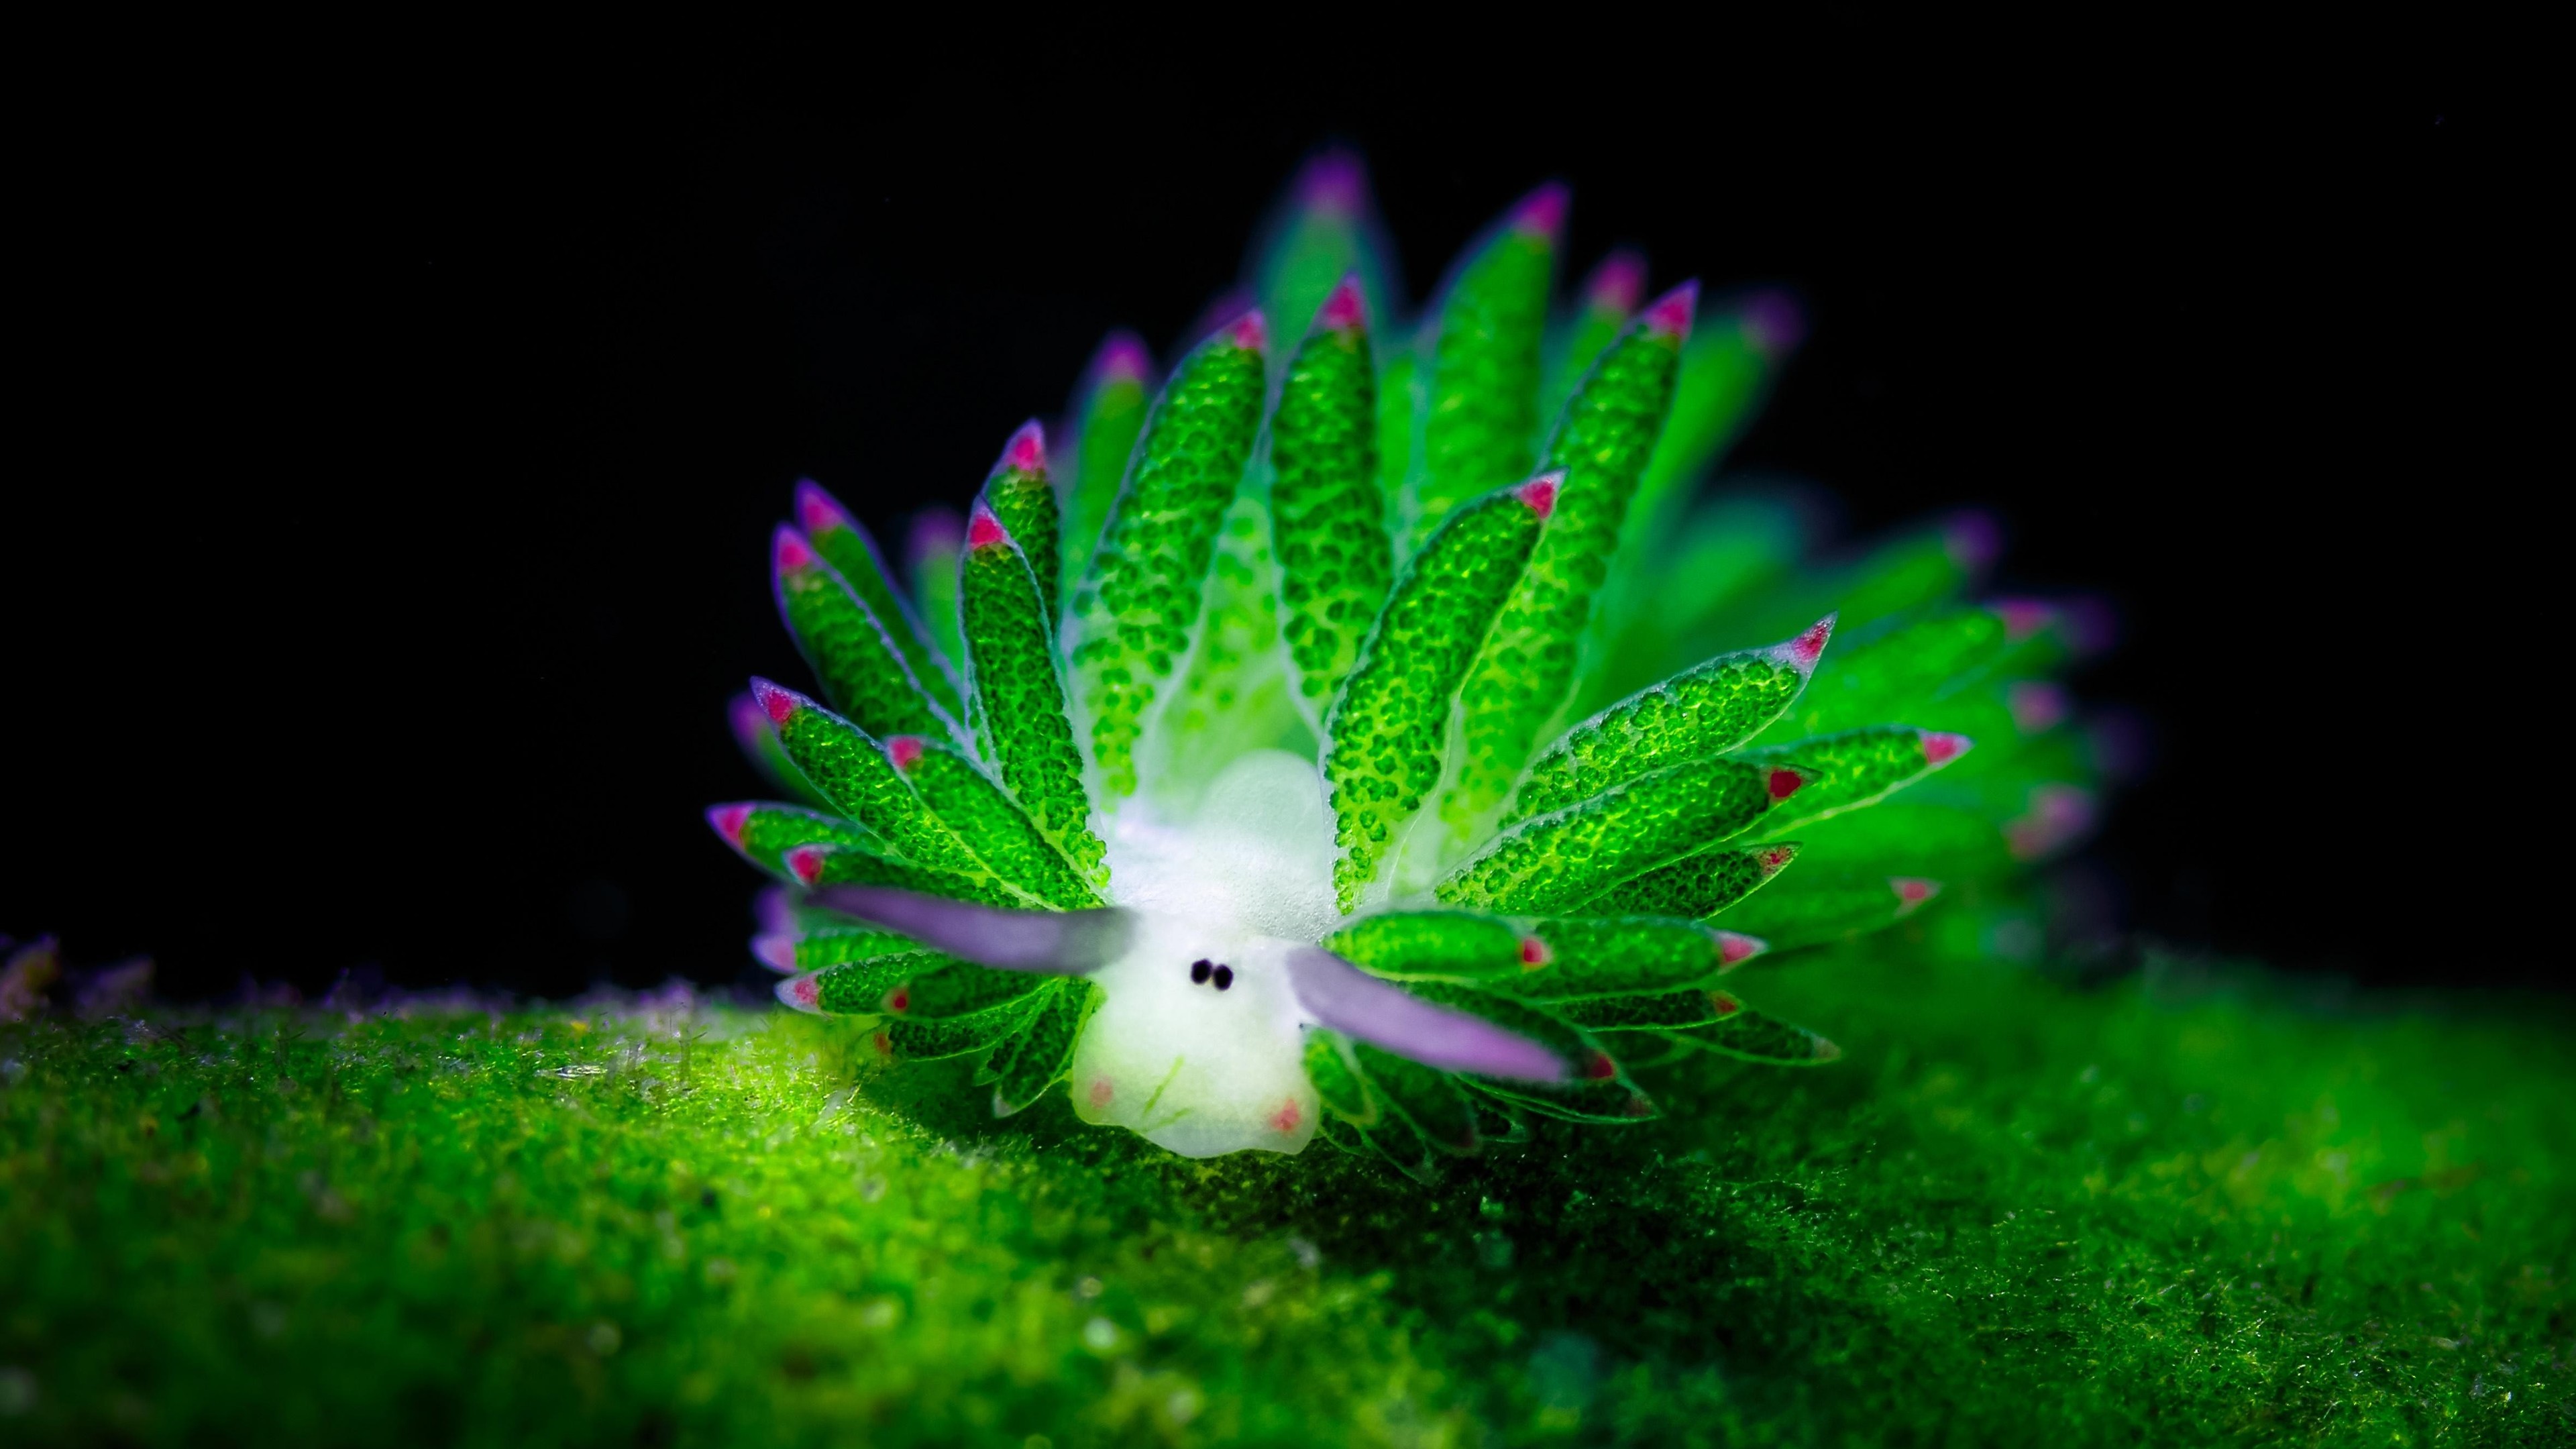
(1064, 943)
(1364, 1008)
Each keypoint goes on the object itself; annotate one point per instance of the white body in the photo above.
(1194, 1069)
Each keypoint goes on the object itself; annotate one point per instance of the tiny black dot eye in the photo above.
(1199, 971)
(1224, 977)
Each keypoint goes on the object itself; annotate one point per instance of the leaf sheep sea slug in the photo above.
(1370, 733)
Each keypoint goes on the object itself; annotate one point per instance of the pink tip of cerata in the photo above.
(1734, 948)
(984, 530)
(1617, 284)
(1123, 358)
(777, 951)
(1803, 651)
(2058, 815)
(1599, 1067)
(1027, 449)
(1775, 323)
(1723, 1004)
(934, 532)
(1336, 182)
(1940, 748)
(1101, 1091)
(2037, 705)
(1534, 953)
(1973, 540)
(1290, 1116)
(1540, 492)
(1783, 784)
(1346, 308)
(1670, 314)
(1542, 212)
(788, 549)
(729, 820)
(1912, 892)
(2023, 617)
(777, 703)
(905, 751)
(816, 510)
(1251, 331)
(899, 1000)
(1777, 858)
(805, 863)
(803, 993)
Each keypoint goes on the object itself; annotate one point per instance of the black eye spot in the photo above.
(1199, 971)
(1224, 977)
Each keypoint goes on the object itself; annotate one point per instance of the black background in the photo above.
(388, 526)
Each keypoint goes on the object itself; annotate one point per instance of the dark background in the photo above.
(400, 450)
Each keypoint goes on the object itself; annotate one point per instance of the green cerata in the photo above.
(1374, 732)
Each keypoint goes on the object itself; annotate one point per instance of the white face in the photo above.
(1206, 1060)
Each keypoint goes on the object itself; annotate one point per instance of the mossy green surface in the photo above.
(2168, 1210)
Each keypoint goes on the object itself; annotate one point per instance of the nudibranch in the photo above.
(1349, 747)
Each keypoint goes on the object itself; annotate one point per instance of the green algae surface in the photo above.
(2183, 1207)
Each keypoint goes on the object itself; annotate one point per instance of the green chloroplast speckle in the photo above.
(1394, 759)
(1133, 617)
(1328, 513)
(1018, 691)
(1527, 669)
(1479, 416)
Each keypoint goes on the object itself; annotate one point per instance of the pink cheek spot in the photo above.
(884, 1043)
(1599, 1068)
(1723, 1004)
(1540, 492)
(899, 1000)
(1026, 451)
(1941, 749)
(1100, 1091)
(905, 751)
(984, 530)
(1784, 783)
(1534, 953)
(1734, 948)
(1251, 331)
(805, 863)
(775, 702)
(1777, 858)
(1809, 647)
(728, 821)
(791, 552)
(1288, 1118)
(1344, 310)
(1912, 892)
(1671, 314)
